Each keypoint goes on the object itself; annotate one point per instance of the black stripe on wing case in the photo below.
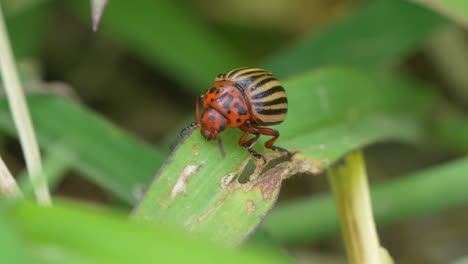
(271, 111)
(257, 73)
(262, 82)
(276, 101)
(268, 92)
(235, 71)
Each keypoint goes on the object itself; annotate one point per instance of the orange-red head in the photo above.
(212, 123)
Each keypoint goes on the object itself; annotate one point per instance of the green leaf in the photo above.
(334, 110)
(331, 112)
(454, 9)
(74, 233)
(169, 36)
(11, 248)
(314, 218)
(103, 153)
(371, 37)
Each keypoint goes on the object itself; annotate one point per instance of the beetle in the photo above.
(245, 98)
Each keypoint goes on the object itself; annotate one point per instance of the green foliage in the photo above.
(313, 218)
(342, 96)
(100, 151)
(74, 233)
(11, 248)
(454, 9)
(371, 37)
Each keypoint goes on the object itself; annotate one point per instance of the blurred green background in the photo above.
(149, 61)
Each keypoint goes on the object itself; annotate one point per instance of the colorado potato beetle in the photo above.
(246, 98)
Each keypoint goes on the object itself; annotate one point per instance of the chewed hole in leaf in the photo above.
(251, 170)
(275, 159)
(248, 170)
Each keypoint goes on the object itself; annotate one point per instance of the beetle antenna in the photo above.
(182, 134)
(221, 147)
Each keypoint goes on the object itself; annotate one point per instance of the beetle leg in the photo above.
(269, 144)
(248, 129)
(247, 144)
(190, 127)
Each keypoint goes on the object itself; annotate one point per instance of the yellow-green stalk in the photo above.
(351, 191)
(21, 116)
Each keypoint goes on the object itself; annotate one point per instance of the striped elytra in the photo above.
(266, 96)
(245, 98)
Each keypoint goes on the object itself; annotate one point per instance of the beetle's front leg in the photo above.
(247, 144)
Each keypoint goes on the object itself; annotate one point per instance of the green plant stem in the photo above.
(21, 116)
(394, 200)
(351, 192)
(57, 160)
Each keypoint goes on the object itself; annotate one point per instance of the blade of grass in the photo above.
(198, 190)
(104, 154)
(97, 8)
(346, 109)
(95, 235)
(314, 218)
(370, 37)
(21, 116)
(8, 186)
(454, 9)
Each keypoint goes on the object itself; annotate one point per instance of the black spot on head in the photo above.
(238, 120)
(212, 90)
(212, 117)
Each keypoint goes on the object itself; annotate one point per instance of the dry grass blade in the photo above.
(21, 116)
(8, 186)
(97, 8)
